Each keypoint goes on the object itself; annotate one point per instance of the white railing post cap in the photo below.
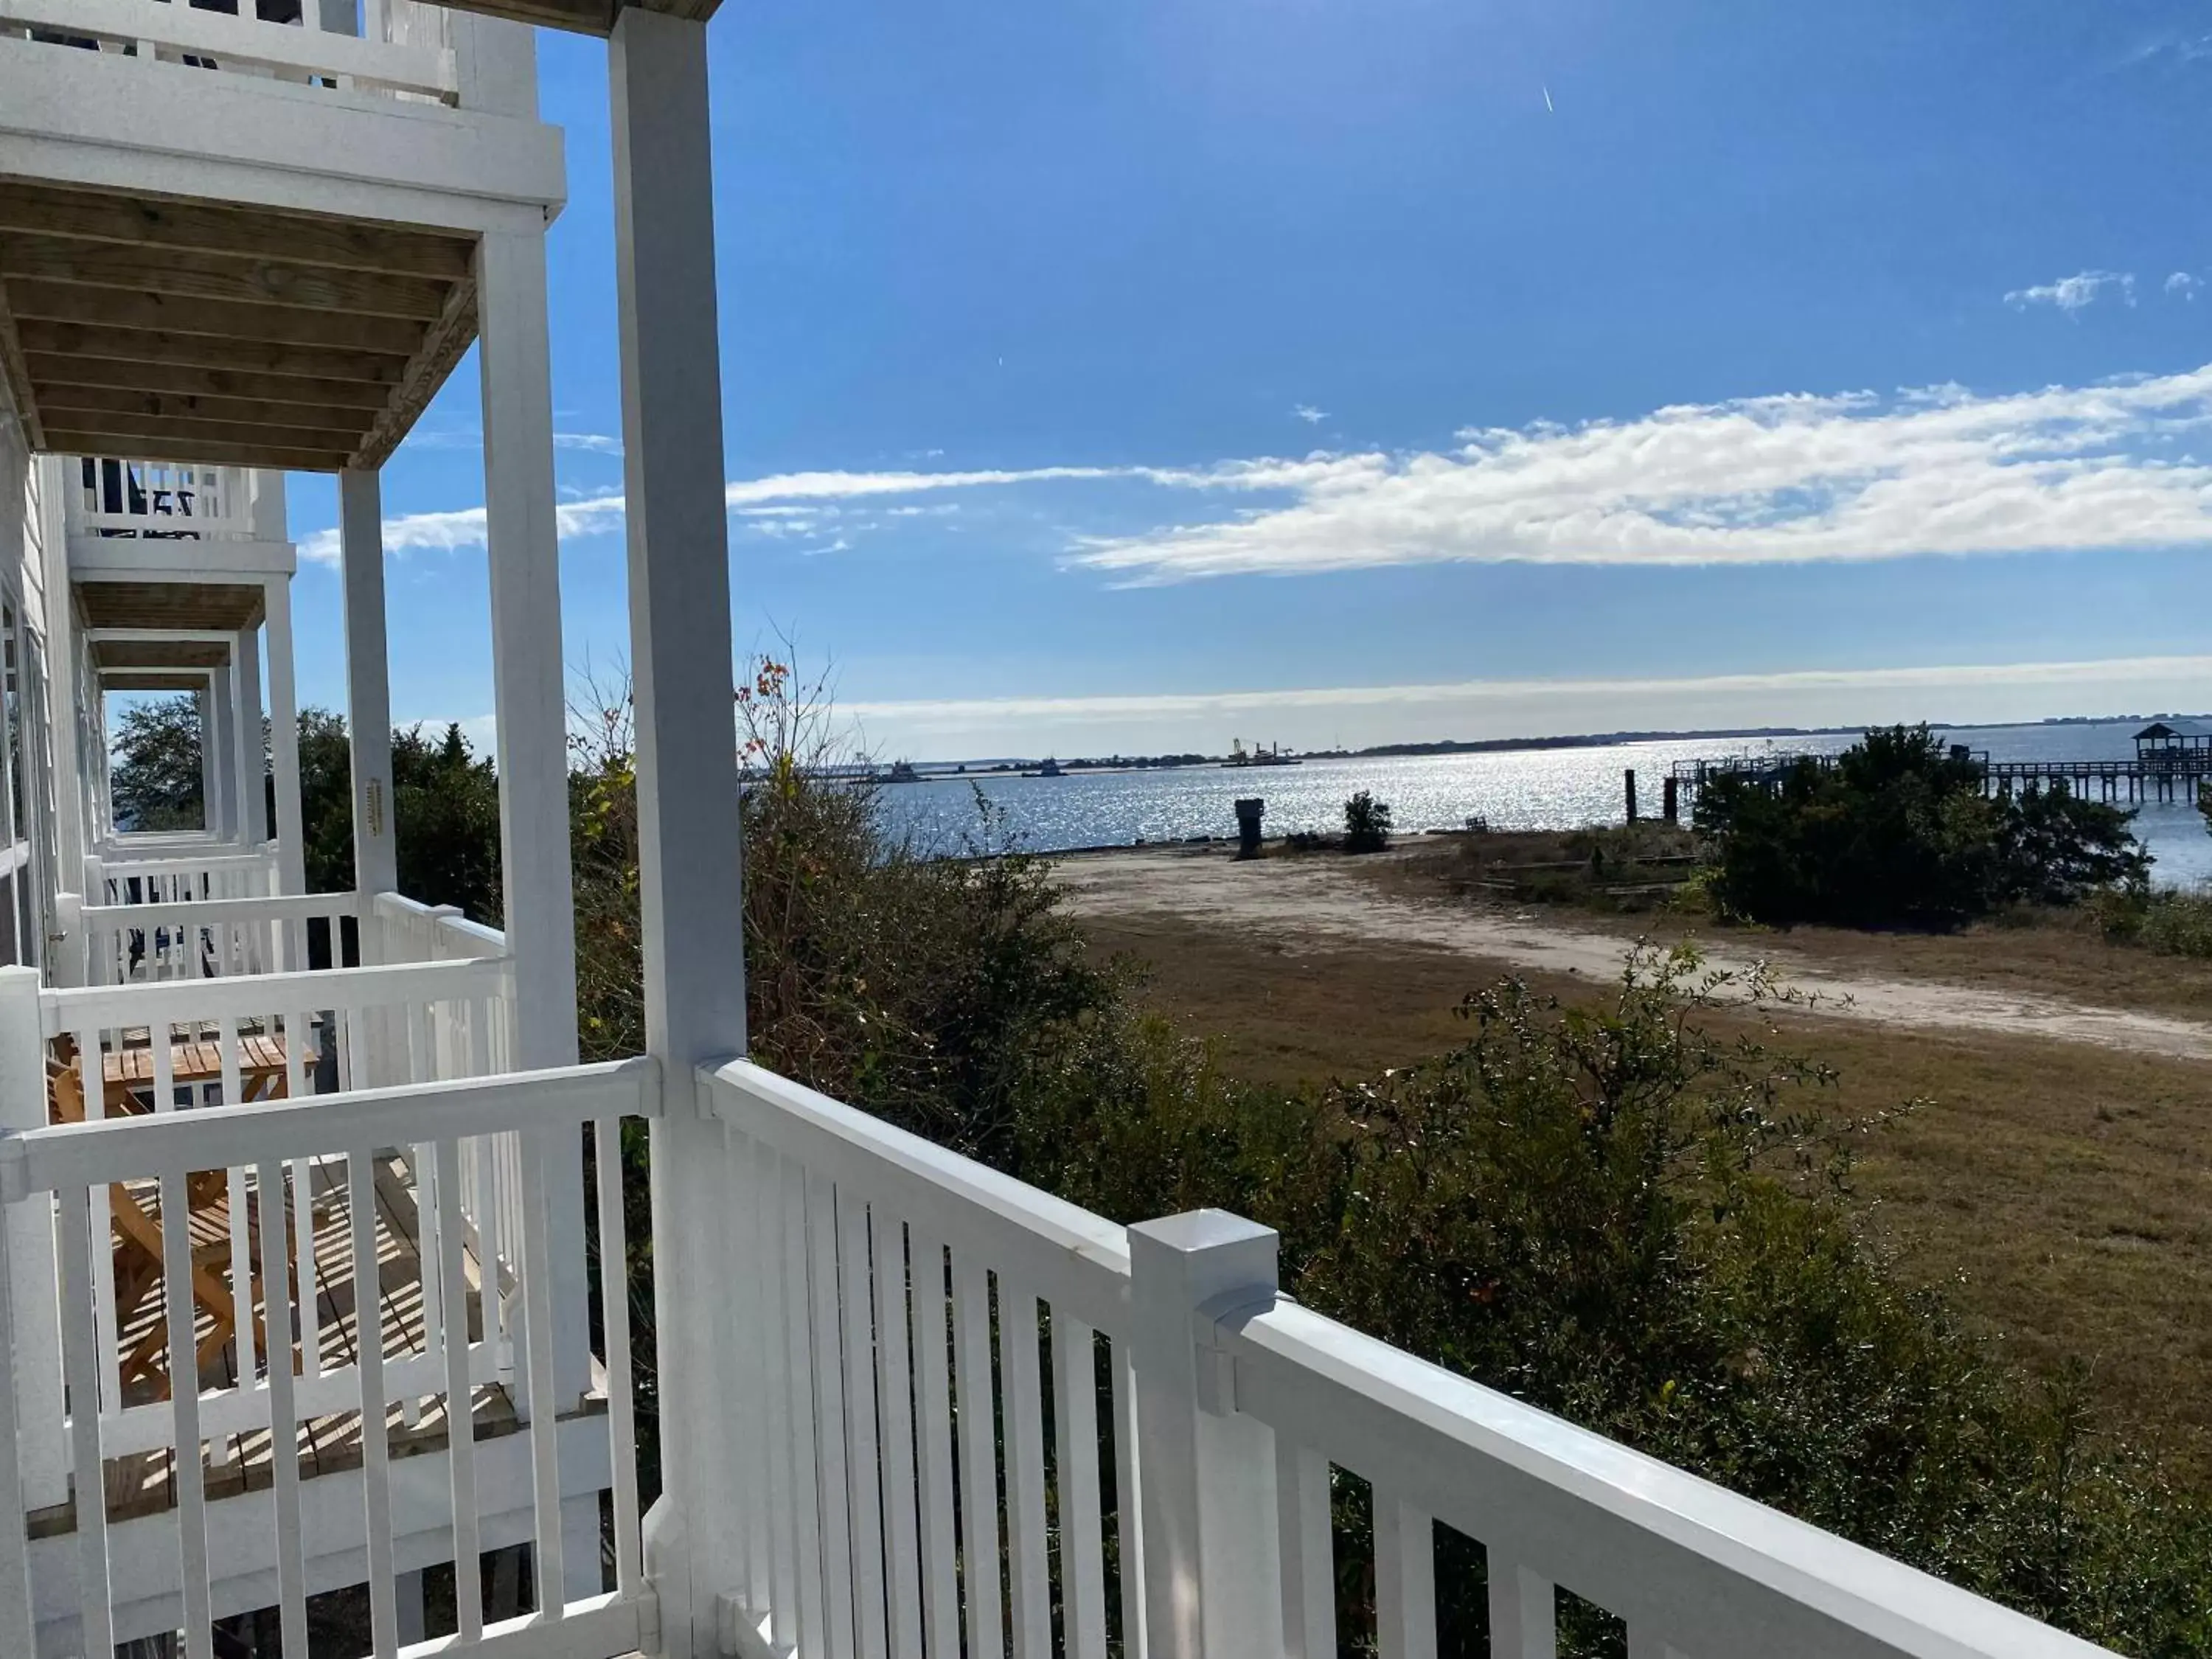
(1206, 1254)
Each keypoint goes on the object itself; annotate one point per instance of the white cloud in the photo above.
(2072, 294)
(1760, 481)
(596, 443)
(2183, 284)
(1783, 479)
(1309, 413)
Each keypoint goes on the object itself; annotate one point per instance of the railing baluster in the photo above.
(284, 1425)
(894, 1405)
(940, 1544)
(614, 1296)
(85, 1362)
(1309, 1560)
(1405, 1579)
(18, 1629)
(189, 1470)
(1524, 1611)
(241, 1243)
(1021, 1377)
(807, 1621)
(864, 1454)
(92, 1079)
(743, 1304)
(837, 1574)
(1128, 1529)
(978, 1457)
(536, 1271)
(461, 1404)
(1075, 1432)
(368, 1359)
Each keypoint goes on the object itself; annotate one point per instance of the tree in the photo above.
(1899, 831)
(1366, 824)
(153, 767)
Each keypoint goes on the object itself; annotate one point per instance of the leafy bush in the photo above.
(445, 815)
(154, 769)
(2176, 924)
(1366, 824)
(1899, 831)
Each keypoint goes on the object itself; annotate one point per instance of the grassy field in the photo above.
(2057, 1193)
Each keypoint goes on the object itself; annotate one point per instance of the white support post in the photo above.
(369, 695)
(252, 758)
(687, 781)
(284, 737)
(529, 696)
(211, 768)
(67, 687)
(42, 1450)
(219, 753)
(1205, 1475)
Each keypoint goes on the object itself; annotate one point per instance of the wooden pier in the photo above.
(2173, 763)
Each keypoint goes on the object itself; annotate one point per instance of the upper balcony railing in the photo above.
(408, 50)
(158, 501)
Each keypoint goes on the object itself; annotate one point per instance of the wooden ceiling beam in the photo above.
(157, 429)
(16, 373)
(443, 347)
(158, 347)
(238, 411)
(220, 276)
(59, 378)
(58, 302)
(201, 452)
(157, 224)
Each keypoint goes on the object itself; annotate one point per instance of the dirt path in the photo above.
(1319, 900)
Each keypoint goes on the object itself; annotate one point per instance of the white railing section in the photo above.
(282, 1160)
(888, 1296)
(407, 931)
(264, 1036)
(157, 499)
(408, 60)
(159, 938)
(889, 1292)
(161, 874)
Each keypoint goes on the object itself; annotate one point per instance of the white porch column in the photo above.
(687, 780)
(64, 689)
(210, 772)
(368, 696)
(29, 1225)
(252, 757)
(529, 696)
(219, 752)
(284, 737)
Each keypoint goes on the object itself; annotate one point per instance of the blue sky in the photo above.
(1132, 375)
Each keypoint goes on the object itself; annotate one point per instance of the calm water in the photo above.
(1526, 789)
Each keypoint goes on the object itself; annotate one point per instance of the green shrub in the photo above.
(2173, 923)
(1366, 824)
(1899, 831)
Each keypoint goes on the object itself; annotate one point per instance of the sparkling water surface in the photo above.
(1513, 789)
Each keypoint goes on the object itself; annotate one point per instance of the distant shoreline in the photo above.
(1003, 766)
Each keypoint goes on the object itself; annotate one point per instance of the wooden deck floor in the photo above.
(144, 1483)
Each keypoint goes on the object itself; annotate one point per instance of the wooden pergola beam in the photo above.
(63, 400)
(583, 17)
(154, 223)
(161, 346)
(57, 302)
(64, 380)
(201, 452)
(220, 276)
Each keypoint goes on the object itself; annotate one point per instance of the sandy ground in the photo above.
(1321, 901)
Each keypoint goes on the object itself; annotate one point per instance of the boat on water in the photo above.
(1051, 768)
(1273, 755)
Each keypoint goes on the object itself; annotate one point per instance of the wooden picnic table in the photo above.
(195, 1062)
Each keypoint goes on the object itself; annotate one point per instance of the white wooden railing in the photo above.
(408, 52)
(157, 498)
(157, 871)
(166, 938)
(216, 1556)
(876, 1268)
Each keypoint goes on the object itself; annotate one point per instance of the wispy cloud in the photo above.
(1794, 479)
(2183, 284)
(595, 443)
(2076, 293)
(1761, 480)
(1309, 413)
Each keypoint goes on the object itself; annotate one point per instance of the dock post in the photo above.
(1670, 799)
(1631, 794)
